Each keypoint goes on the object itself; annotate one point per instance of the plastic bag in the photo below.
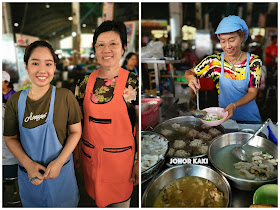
(153, 49)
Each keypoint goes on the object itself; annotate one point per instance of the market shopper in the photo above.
(130, 63)
(236, 73)
(7, 87)
(42, 128)
(109, 100)
(9, 162)
(271, 54)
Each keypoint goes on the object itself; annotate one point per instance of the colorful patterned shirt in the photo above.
(210, 67)
(103, 92)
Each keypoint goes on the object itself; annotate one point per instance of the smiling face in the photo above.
(231, 43)
(40, 67)
(108, 49)
(132, 61)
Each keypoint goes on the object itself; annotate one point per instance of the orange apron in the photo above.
(107, 145)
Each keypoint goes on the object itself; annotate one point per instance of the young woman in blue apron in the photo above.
(46, 174)
(236, 73)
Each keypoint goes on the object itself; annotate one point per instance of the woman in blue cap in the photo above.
(236, 73)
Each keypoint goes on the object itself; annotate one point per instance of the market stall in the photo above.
(237, 192)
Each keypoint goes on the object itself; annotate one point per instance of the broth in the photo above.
(190, 191)
(225, 160)
(231, 165)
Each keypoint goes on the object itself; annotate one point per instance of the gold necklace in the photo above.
(232, 64)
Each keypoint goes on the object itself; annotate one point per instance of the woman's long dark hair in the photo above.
(128, 56)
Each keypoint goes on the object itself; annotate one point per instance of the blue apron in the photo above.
(42, 146)
(134, 68)
(232, 90)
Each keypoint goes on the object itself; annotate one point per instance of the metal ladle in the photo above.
(239, 152)
(198, 113)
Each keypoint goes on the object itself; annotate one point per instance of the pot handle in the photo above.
(149, 128)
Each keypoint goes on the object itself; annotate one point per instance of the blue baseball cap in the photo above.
(232, 23)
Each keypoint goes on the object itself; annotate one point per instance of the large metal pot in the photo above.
(189, 121)
(177, 172)
(241, 138)
(152, 171)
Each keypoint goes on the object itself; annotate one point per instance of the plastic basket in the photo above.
(151, 116)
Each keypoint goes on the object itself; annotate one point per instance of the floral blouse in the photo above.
(210, 67)
(103, 92)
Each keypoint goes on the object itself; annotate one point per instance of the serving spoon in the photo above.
(239, 152)
(198, 113)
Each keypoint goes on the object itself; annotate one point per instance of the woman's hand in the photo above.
(230, 108)
(53, 169)
(33, 171)
(193, 83)
(135, 174)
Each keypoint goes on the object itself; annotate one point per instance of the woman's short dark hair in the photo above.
(29, 49)
(273, 37)
(127, 57)
(111, 25)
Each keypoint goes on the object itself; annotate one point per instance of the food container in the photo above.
(150, 117)
(241, 138)
(152, 171)
(171, 174)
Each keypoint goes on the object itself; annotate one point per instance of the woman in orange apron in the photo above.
(108, 97)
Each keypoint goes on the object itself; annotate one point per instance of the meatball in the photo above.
(205, 127)
(184, 129)
(179, 144)
(182, 153)
(214, 132)
(192, 133)
(204, 136)
(166, 132)
(171, 152)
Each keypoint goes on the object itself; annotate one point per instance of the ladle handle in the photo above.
(197, 99)
(262, 126)
(259, 130)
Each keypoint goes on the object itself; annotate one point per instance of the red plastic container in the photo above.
(151, 116)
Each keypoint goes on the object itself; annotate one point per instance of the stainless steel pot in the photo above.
(191, 121)
(177, 172)
(240, 138)
(252, 131)
(152, 171)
